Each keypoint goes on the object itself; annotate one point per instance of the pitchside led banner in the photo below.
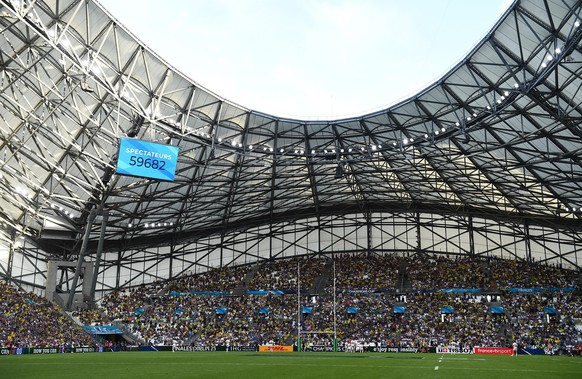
(147, 159)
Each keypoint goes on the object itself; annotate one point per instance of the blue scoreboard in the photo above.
(147, 159)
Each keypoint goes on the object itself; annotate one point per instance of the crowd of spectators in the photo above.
(437, 272)
(434, 272)
(282, 274)
(200, 309)
(530, 319)
(365, 285)
(518, 273)
(370, 317)
(217, 280)
(28, 320)
(366, 272)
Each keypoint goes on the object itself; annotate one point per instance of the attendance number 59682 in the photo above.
(147, 163)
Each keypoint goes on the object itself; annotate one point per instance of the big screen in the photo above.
(147, 159)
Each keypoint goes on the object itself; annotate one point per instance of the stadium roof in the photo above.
(497, 137)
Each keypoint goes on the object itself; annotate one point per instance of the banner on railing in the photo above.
(460, 290)
(447, 310)
(538, 290)
(452, 350)
(188, 348)
(493, 350)
(398, 309)
(261, 292)
(275, 349)
(198, 293)
(498, 310)
(102, 329)
(240, 348)
(50, 350)
(380, 349)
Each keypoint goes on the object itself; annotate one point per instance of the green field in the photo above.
(286, 365)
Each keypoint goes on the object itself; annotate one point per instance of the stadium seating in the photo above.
(457, 301)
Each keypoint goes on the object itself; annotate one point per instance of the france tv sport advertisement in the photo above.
(147, 159)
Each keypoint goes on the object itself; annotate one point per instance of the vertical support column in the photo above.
(81, 258)
(172, 259)
(53, 268)
(368, 216)
(86, 285)
(527, 240)
(105, 217)
(11, 249)
(51, 280)
(271, 240)
(221, 254)
(10, 262)
(471, 237)
(418, 239)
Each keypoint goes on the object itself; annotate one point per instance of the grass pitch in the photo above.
(286, 365)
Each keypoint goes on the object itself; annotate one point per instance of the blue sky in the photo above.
(310, 59)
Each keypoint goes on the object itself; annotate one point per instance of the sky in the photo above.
(310, 59)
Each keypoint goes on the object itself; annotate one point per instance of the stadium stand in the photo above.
(27, 319)
(364, 307)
